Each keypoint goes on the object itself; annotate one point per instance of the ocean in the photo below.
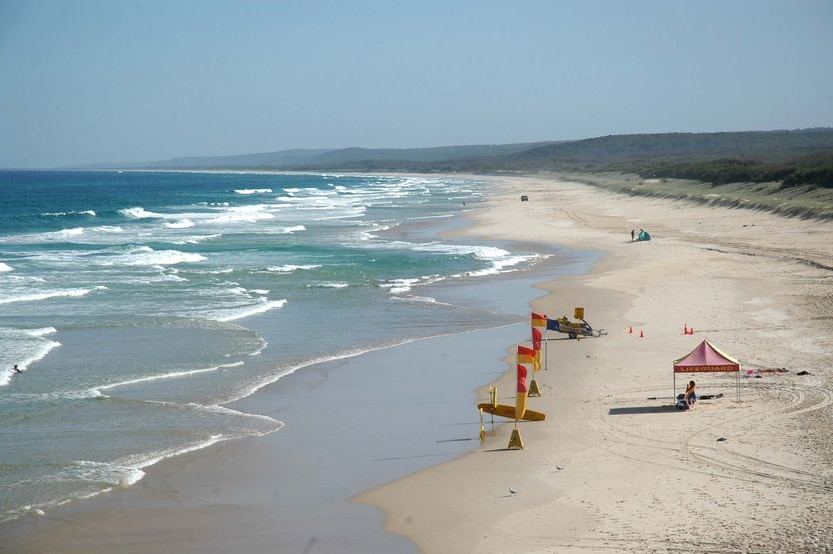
(139, 305)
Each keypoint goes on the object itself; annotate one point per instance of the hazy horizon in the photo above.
(92, 81)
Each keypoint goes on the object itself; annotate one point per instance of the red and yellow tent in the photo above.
(706, 358)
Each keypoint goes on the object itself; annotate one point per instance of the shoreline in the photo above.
(595, 395)
(614, 467)
(291, 488)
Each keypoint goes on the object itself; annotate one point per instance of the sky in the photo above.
(100, 81)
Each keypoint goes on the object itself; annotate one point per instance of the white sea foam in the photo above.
(289, 268)
(399, 286)
(98, 472)
(130, 468)
(327, 205)
(330, 285)
(41, 332)
(252, 191)
(63, 214)
(138, 213)
(139, 462)
(46, 295)
(147, 256)
(420, 300)
(247, 311)
(111, 229)
(289, 230)
(82, 394)
(243, 214)
(351, 353)
(216, 409)
(74, 232)
(4, 267)
(91, 235)
(154, 278)
(164, 376)
(181, 224)
(502, 265)
(44, 347)
(432, 217)
(501, 260)
(24, 347)
(196, 239)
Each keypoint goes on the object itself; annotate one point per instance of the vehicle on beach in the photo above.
(572, 328)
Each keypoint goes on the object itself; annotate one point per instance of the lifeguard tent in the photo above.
(706, 358)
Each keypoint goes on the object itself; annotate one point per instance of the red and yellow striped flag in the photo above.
(523, 390)
(537, 337)
(526, 355)
(539, 320)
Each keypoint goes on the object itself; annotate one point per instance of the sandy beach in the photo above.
(614, 468)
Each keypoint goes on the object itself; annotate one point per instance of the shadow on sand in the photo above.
(644, 410)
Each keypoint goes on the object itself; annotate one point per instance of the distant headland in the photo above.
(785, 171)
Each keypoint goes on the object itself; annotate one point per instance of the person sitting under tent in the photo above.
(690, 393)
(686, 399)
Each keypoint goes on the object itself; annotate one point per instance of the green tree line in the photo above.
(816, 170)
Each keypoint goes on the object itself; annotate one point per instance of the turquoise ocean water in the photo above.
(139, 305)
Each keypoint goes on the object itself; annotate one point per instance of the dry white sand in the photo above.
(613, 469)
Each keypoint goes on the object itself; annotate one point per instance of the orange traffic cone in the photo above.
(641, 334)
(685, 328)
(630, 330)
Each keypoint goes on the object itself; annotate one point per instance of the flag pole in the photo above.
(515, 441)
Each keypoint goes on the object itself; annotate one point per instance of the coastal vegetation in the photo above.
(786, 171)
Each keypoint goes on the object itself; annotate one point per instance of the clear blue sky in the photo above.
(86, 81)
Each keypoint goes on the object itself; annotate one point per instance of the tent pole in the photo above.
(674, 398)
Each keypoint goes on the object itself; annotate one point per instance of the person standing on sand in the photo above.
(632, 234)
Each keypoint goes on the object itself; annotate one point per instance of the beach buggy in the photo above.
(572, 328)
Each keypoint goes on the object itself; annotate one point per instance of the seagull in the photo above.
(512, 491)
(559, 468)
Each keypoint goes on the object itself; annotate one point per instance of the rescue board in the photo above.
(503, 410)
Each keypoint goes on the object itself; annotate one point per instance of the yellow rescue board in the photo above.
(509, 411)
